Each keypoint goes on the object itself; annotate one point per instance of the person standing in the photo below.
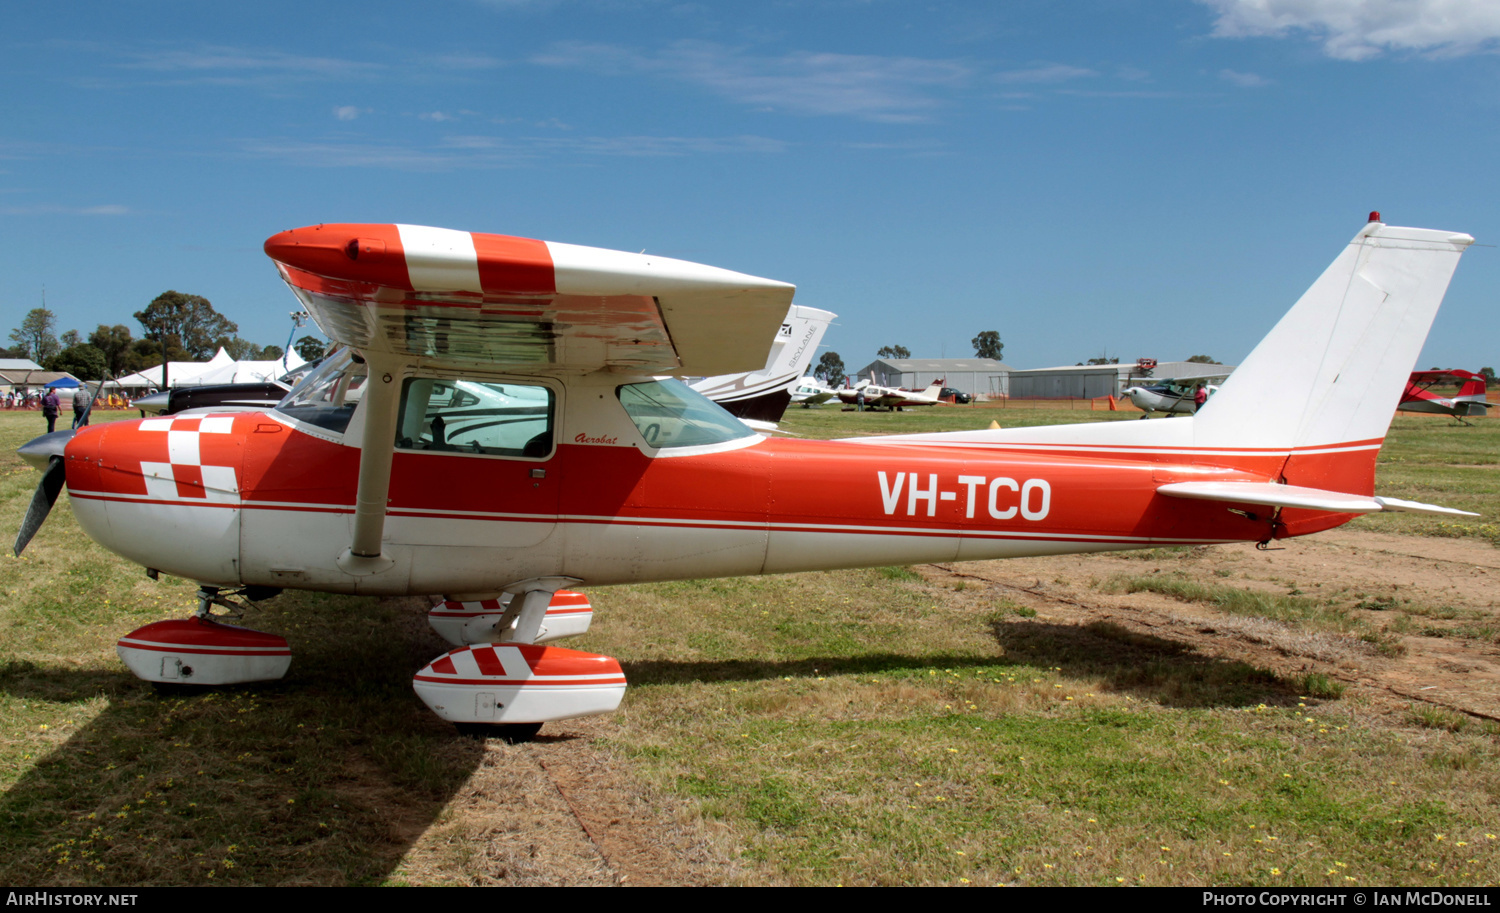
(50, 407)
(81, 401)
(1200, 396)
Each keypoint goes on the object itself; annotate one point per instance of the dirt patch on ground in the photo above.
(560, 811)
(1436, 601)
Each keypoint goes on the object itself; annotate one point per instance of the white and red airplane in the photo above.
(580, 467)
(1472, 398)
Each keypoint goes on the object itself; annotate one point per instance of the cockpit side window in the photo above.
(327, 397)
(465, 416)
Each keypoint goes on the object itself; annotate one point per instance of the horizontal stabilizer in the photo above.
(1272, 495)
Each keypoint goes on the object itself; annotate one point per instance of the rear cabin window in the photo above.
(465, 416)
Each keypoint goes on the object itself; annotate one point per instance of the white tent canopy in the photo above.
(221, 369)
(245, 372)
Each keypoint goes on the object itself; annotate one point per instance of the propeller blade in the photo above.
(41, 502)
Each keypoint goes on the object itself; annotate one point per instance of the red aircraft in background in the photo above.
(1471, 398)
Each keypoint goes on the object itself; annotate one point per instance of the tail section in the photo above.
(1339, 359)
(763, 395)
(1472, 396)
(1311, 404)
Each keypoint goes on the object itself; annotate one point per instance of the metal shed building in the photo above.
(1090, 381)
(974, 376)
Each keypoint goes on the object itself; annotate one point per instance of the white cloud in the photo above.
(458, 152)
(1055, 72)
(1361, 29)
(438, 116)
(800, 82)
(658, 146)
(218, 63)
(346, 112)
(1244, 80)
(457, 61)
(50, 209)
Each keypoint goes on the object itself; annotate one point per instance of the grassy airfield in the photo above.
(853, 727)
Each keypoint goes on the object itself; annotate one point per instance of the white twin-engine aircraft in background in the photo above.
(497, 430)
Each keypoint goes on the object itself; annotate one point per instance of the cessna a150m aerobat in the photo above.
(497, 429)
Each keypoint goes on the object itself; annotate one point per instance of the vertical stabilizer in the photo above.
(1331, 372)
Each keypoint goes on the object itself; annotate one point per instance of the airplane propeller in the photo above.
(45, 452)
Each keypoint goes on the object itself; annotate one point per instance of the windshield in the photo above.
(327, 396)
(669, 414)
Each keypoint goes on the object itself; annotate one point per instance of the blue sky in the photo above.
(1126, 177)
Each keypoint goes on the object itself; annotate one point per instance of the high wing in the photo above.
(1429, 378)
(438, 296)
(1181, 378)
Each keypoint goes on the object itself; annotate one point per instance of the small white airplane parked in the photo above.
(762, 396)
(812, 392)
(1174, 394)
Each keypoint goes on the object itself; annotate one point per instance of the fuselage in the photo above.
(268, 499)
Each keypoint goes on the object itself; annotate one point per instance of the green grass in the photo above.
(849, 727)
(1321, 614)
(1431, 459)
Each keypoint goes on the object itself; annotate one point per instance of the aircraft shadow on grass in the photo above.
(139, 793)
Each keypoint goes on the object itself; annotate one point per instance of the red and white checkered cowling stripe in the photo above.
(183, 475)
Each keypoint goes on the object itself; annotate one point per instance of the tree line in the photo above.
(174, 326)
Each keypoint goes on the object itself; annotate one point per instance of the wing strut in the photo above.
(377, 449)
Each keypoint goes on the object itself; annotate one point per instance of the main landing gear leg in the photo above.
(528, 609)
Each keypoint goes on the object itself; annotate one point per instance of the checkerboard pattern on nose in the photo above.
(184, 474)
